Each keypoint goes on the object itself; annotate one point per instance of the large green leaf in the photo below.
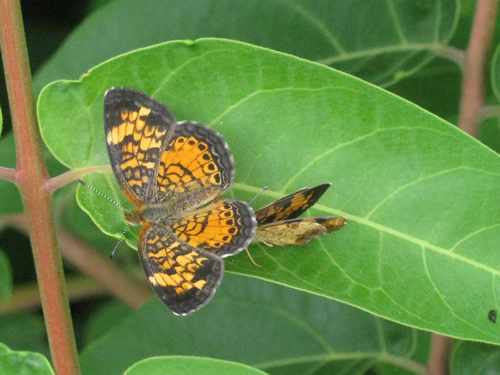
(189, 366)
(377, 40)
(23, 363)
(276, 329)
(420, 195)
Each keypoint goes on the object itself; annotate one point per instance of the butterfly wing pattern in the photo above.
(278, 222)
(174, 173)
(291, 206)
(137, 130)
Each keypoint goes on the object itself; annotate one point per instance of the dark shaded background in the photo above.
(46, 24)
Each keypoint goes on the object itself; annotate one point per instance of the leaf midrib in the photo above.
(381, 228)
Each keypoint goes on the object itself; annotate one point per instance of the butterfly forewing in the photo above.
(196, 167)
(291, 206)
(137, 130)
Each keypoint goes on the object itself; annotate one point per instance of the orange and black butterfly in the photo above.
(278, 222)
(173, 172)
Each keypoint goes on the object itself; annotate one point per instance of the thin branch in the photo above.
(476, 60)
(27, 297)
(32, 173)
(405, 363)
(451, 53)
(8, 174)
(489, 111)
(101, 269)
(441, 347)
(55, 183)
(472, 102)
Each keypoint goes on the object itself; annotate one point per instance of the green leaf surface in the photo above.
(379, 41)
(79, 223)
(5, 277)
(189, 366)
(276, 329)
(420, 195)
(489, 133)
(105, 319)
(23, 363)
(24, 331)
(474, 358)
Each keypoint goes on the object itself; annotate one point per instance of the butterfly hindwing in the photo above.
(298, 231)
(184, 277)
(223, 228)
(331, 223)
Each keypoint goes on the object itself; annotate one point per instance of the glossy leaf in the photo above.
(273, 328)
(420, 195)
(23, 363)
(379, 41)
(189, 366)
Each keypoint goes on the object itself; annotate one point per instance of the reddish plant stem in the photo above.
(476, 62)
(471, 114)
(32, 173)
(441, 347)
(57, 182)
(8, 174)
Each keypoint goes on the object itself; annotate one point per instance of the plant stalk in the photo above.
(470, 116)
(32, 174)
(476, 62)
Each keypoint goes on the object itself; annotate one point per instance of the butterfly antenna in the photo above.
(102, 195)
(253, 261)
(119, 242)
(116, 203)
(259, 193)
(267, 244)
